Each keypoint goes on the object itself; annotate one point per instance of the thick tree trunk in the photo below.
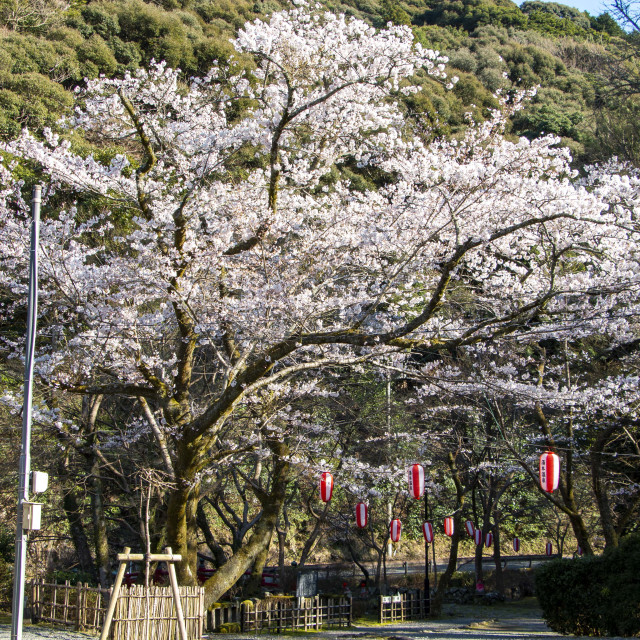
(600, 489)
(181, 530)
(445, 578)
(497, 557)
(260, 539)
(73, 511)
(580, 532)
(100, 540)
(255, 579)
(90, 407)
(478, 562)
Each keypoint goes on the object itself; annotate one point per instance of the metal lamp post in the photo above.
(26, 511)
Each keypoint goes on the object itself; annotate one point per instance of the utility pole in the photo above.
(22, 527)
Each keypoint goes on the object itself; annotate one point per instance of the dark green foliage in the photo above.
(470, 14)
(6, 560)
(30, 100)
(6, 543)
(493, 45)
(580, 18)
(617, 131)
(96, 57)
(542, 119)
(6, 584)
(393, 12)
(604, 22)
(160, 35)
(596, 595)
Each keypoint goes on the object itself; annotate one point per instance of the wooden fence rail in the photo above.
(289, 614)
(224, 613)
(83, 608)
(404, 606)
(79, 606)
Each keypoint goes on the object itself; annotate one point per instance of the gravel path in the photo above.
(514, 621)
(44, 632)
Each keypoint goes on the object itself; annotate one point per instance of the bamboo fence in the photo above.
(131, 622)
(289, 614)
(79, 606)
(83, 608)
(404, 606)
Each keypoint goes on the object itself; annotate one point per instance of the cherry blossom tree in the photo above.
(237, 258)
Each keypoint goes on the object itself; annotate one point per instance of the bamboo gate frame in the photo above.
(83, 608)
(137, 613)
(169, 557)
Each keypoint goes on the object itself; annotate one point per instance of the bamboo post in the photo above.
(79, 606)
(176, 596)
(114, 597)
(34, 590)
(65, 610)
(97, 603)
(55, 600)
(40, 588)
(317, 613)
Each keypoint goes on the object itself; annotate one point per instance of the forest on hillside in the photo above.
(278, 241)
(585, 65)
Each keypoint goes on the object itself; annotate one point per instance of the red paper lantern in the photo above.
(395, 530)
(362, 515)
(427, 532)
(549, 471)
(516, 544)
(488, 539)
(416, 481)
(549, 549)
(326, 486)
(470, 527)
(477, 537)
(448, 525)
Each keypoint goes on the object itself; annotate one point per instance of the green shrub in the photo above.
(96, 57)
(6, 584)
(593, 596)
(6, 560)
(7, 543)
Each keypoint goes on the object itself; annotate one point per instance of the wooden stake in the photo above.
(114, 597)
(176, 596)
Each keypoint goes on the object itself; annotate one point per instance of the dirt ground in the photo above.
(518, 620)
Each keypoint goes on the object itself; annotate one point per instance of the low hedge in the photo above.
(598, 595)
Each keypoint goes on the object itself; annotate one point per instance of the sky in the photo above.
(594, 7)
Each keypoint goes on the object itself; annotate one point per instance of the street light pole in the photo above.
(427, 590)
(25, 453)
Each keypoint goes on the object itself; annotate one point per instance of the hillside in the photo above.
(48, 48)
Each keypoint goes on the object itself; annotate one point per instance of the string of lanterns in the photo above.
(549, 480)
